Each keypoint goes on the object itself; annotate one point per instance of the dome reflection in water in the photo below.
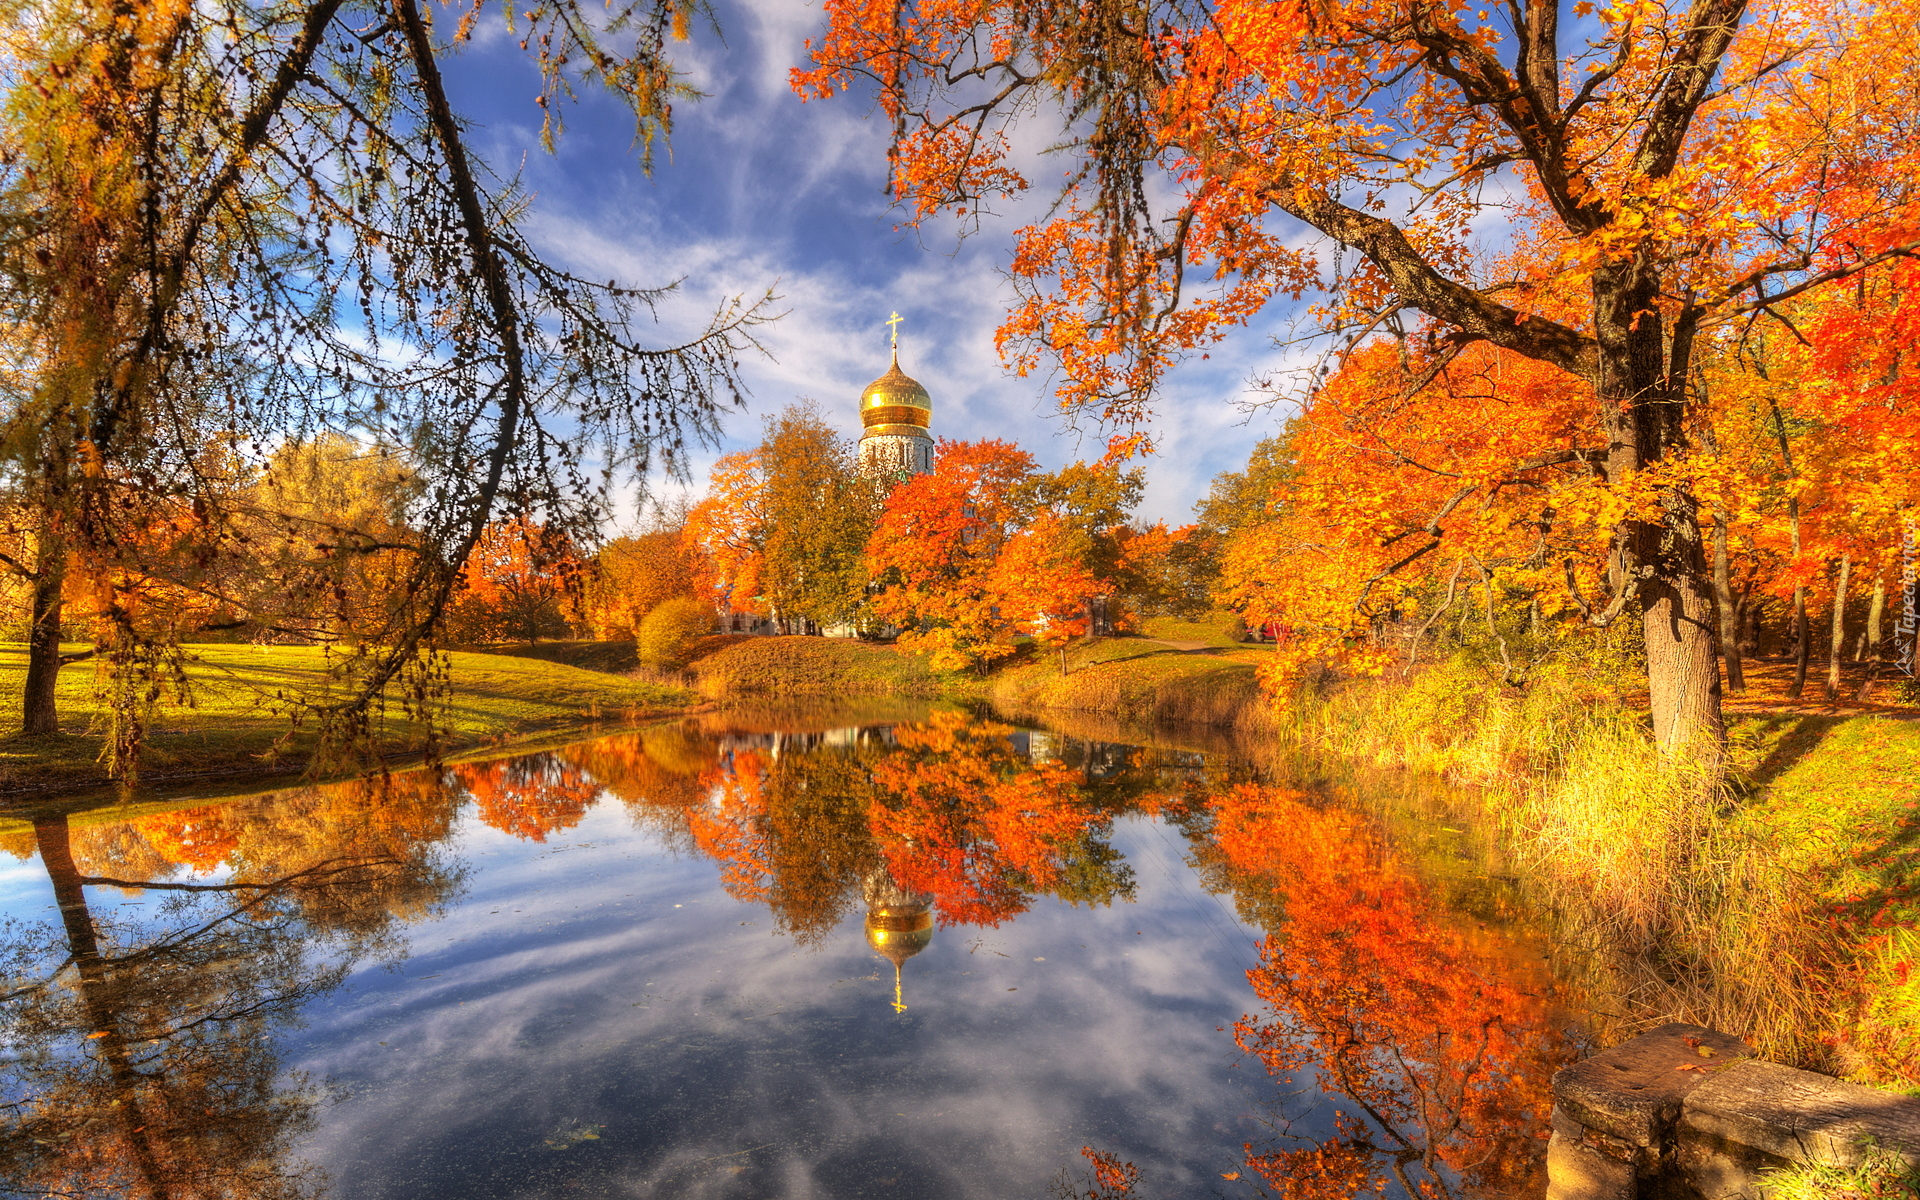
(772, 954)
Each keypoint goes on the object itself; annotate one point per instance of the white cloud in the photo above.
(762, 190)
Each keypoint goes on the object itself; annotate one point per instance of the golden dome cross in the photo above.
(893, 323)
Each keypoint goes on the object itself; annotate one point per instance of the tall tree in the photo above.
(934, 553)
(820, 512)
(267, 221)
(633, 573)
(1044, 584)
(1680, 165)
(728, 532)
(523, 582)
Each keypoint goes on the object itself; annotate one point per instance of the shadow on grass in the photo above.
(1803, 734)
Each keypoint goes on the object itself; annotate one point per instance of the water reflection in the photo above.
(600, 1023)
(140, 1057)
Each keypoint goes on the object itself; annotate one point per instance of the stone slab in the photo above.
(1635, 1090)
(1801, 1116)
(1575, 1172)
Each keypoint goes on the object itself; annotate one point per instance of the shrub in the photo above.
(669, 631)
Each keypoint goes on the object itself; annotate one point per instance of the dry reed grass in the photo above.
(1671, 901)
(1144, 683)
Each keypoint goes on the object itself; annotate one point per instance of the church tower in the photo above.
(895, 412)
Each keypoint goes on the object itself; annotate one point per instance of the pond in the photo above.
(910, 953)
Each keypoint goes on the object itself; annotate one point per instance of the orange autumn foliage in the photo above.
(522, 583)
(631, 576)
(1398, 505)
(730, 827)
(1438, 1045)
(936, 548)
(966, 820)
(201, 838)
(658, 773)
(728, 531)
(1043, 582)
(528, 798)
(1672, 173)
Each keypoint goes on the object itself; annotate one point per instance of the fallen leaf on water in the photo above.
(101, 1034)
(567, 1138)
(1229, 1174)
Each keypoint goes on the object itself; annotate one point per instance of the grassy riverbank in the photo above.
(1782, 906)
(238, 723)
(1197, 680)
(816, 666)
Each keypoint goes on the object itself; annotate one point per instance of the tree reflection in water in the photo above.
(141, 1056)
(1434, 1041)
(143, 1051)
(949, 806)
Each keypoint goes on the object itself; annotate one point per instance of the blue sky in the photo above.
(761, 191)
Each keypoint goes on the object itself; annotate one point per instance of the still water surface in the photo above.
(772, 955)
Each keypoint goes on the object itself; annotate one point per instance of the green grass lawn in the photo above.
(1840, 797)
(589, 656)
(244, 698)
(1215, 629)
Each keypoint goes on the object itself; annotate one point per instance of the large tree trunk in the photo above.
(1723, 601)
(1838, 644)
(1870, 648)
(1643, 404)
(39, 711)
(1683, 678)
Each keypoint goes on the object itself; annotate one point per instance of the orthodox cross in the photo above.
(894, 323)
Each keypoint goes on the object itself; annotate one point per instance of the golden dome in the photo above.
(897, 933)
(896, 398)
(899, 921)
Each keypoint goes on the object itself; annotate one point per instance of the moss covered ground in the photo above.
(237, 722)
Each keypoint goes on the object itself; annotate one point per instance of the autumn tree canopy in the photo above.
(267, 223)
(1673, 172)
(783, 528)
